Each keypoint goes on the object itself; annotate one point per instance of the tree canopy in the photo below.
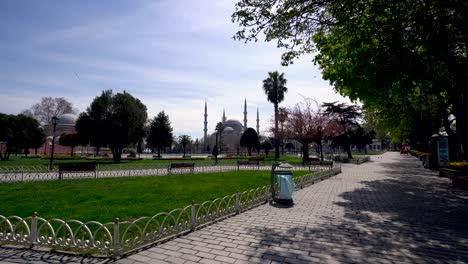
(19, 133)
(348, 117)
(70, 140)
(390, 55)
(114, 120)
(160, 132)
(249, 139)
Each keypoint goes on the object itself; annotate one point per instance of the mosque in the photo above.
(229, 140)
(65, 125)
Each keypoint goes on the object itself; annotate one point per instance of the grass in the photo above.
(127, 197)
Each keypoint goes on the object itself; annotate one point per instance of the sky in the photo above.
(172, 55)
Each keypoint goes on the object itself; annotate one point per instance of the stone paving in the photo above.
(389, 210)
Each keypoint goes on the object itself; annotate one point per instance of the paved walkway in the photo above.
(389, 210)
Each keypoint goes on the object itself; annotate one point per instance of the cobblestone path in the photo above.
(389, 210)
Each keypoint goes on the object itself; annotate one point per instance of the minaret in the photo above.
(224, 117)
(205, 130)
(245, 114)
(258, 123)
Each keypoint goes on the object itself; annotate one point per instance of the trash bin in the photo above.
(282, 183)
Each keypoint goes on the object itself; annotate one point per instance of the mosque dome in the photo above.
(67, 119)
(234, 124)
(228, 129)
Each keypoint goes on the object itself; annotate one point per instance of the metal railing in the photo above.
(41, 173)
(119, 237)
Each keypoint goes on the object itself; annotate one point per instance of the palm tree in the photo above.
(275, 87)
(185, 140)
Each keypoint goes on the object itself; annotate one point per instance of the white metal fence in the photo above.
(119, 237)
(41, 173)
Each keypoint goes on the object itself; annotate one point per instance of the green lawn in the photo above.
(127, 198)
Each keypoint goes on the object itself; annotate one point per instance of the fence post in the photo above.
(237, 203)
(33, 234)
(22, 173)
(116, 237)
(96, 172)
(192, 218)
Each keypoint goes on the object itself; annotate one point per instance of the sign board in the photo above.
(443, 151)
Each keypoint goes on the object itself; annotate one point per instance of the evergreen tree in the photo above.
(160, 133)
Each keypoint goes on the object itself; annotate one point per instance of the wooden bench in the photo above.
(248, 163)
(77, 168)
(181, 165)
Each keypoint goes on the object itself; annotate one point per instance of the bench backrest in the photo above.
(77, 167)
(247, 162)
(182, 165)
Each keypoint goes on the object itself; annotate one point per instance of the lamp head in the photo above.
(54, 120)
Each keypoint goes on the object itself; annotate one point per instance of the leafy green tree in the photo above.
(70, 140)
(275, 87)
(289, 146)
(19, 133)
(160, 133)
(115, 120)
(347, 116)
(185, 141)
(6, 136)
(266, 146)
(360, 137)
(28, 133)
(378, 52)
(249, 139)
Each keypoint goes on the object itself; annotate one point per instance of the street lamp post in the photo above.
(216, 151)
(320, 143)
(54, 123)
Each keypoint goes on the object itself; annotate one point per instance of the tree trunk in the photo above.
(159, 152)
(116, 154)
(305, 151)
(460, 112)
(348, 151)
(72, 151)
(277, 151)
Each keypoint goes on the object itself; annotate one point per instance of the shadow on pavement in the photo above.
(25, 255)
(410, 216)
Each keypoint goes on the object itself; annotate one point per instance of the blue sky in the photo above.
(172, 55)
